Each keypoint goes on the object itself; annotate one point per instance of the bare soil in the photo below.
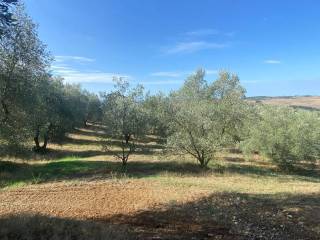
(158, 199)
(92, 200)
(152, 211)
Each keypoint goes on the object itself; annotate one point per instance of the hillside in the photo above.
(159, 196)
(295, 101)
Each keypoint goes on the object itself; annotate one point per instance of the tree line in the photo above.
(199, 119)
(33, 103)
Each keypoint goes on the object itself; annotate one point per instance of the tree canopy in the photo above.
(206, 117)
(6, 15)
(200, 118)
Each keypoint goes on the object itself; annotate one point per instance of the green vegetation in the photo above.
(124, 117)
(163, 168)
(35, 105)
(284, 135)
(53, 132)
(23, 173)
(230, 186)
(6, 17)
(206, 118)
(200, 119)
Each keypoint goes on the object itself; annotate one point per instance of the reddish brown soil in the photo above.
(137, 204)
(152, 211)
(88, 200)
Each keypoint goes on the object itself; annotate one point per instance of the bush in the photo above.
(285, 135)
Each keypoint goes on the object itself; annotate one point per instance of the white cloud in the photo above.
(91, 77)
(161, 82)
(272, 61)
(62, 69)
(175, 74)
(203, 32)
(189, 47)
(167, 74)
(72, 75)
(211, 71)
(66, 58)
(68, 68)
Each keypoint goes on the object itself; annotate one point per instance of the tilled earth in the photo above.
(85, 200)
(150, 210)
(124, 202)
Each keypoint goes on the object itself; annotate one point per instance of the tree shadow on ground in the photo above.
(12, 173)
(309, 174)
(54, 154)
(229, 216)
(234, 159)
(82, 142)
(25, 152)
(30, 226)
(138, 144)
(264, 168)
(76, 169)
(20, 153)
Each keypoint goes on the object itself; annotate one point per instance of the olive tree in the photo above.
(94, 108)
(124, 117)
(6, 16)
(23, 65)
(229, 98)
(54, 113)
(156, 109)
(45, 111)
(76, 103)
(285, 135)
(206, 117)
(33, 104)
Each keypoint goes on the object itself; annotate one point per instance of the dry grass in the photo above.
(308, 102)
(158, 197)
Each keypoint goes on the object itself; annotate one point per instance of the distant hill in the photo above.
(307, 102)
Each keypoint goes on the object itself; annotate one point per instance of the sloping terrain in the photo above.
(309, 102)
(89, 196)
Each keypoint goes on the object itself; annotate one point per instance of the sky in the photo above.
(273, 46)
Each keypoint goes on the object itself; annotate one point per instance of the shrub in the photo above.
(285, 135)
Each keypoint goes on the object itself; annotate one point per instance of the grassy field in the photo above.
(77, 191)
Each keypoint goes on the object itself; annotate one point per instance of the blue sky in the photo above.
(274, 46)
